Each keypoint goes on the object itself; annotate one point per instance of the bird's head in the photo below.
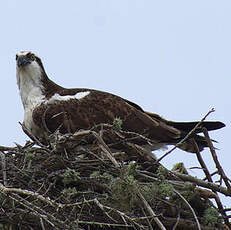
(27, 59)
(30, 76)
(29, 68)
(32, 80)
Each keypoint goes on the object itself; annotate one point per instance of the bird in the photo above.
(49, 107)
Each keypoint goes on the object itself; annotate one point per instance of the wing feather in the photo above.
(99, 107)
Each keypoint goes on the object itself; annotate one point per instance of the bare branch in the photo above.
(188, 135)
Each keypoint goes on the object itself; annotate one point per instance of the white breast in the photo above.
(30, 88)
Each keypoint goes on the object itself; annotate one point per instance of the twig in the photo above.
(3, 168)
(37, 211)
(151, 212)
(177, 221)
(101, 224)
(147, 219)
(47, 200)
(209, 178)
(42, 224)
(5, 148)
(202, 163)
(221, 172)
(102, 208)
(136, 136)
(194, 214)
(202, 183)
(187, 136)
(214, 155)
(121, 214)
(30, 135)
(105, 148)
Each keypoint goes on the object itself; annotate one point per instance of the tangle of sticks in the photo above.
(100, 179)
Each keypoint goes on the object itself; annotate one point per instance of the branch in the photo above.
(215, 158)
(187, 136)
(202, 183)
(194, 214)
(3, 168)
(150, 211)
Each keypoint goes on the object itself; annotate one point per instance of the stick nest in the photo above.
(100, 179)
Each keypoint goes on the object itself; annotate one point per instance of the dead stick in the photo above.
(47, 200)
(187, 136)
(3, 168)
(151, 212)
(215, 158)
(105, 148)
(221, 172)
(202, 183)
(194, 214)
(202, 163)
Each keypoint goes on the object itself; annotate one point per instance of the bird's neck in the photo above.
(35, 86)
(30, 85)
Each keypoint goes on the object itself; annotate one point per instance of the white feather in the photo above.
(30, 85)
(57, 97)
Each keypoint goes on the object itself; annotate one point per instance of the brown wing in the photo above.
(99, 107)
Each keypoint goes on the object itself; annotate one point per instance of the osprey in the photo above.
(49, 107)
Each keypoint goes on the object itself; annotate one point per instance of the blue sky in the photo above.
(170, 57)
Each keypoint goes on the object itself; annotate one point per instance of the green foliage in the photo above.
(70, 192)
(124, 191)
(132, 169)
(211, 217)
(166, 190)
(124, 188)
(117, 124)
(150, 191)
(162, 173)
(70, 176)
(95, 174)
(179, 167)
(29, 156)
(106, 177)
(188, 192)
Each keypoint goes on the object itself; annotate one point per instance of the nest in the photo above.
(100, 179)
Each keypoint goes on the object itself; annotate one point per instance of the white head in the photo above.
(30, 73)
(28, 68)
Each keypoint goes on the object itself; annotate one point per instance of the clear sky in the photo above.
(170, 57)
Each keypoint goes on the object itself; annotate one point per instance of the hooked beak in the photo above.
(22, 61)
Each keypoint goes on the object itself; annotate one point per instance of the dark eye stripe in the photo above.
(31, 56)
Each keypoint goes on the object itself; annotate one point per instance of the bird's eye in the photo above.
(16, 57)
(31, 56)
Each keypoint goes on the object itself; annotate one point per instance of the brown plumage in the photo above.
(50, 107)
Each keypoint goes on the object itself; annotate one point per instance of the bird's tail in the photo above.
(189, 144)
(186, 127)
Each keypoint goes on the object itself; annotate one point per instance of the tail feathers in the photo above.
(185, 128)
(188, 126)
(189, 145)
